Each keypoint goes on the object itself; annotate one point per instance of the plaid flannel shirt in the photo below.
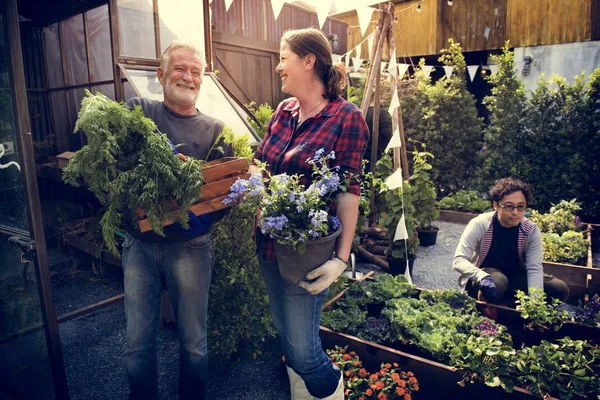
(340, 127)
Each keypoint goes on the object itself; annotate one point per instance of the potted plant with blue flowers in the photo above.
(297, 217)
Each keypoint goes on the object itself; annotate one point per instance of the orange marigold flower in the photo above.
(354, 378)
(378, 385)
(353, 353)
(361, 398)
(407, 397)
(388, 365)
(395, 365)
(368, 392)
(415, 388)
(356, 363)
(374, 377)
(347, 357)
(381, 396)
(347, 373)
(400, 391)
(410, 374)
(395, 377)
(412, 380)
(363, 373)
(402, 383)
(383, 372)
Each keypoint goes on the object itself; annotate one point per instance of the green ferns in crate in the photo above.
(128, 164)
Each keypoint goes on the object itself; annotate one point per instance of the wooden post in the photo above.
(400, 157)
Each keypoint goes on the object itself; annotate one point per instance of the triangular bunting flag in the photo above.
(393, 66)
(394, 142)
(364, 18)
(472, 71)
(323, 8)
(448, 70)
(394, 103)
(336, 59)
(383, 64)
(276, 6)
(347, 55)
(407, 273)
(394, 181)
(370, 41)
(402, 68)
(427, 70)
(401, 232)
(356, 63)
(493, 68)
(228, 4)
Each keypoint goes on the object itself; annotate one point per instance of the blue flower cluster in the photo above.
(290, 211)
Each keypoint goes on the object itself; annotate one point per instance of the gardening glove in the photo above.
(324, 276)
(488, 288)
(198, 225)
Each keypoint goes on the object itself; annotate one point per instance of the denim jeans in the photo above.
(184, 269)
(296, 316)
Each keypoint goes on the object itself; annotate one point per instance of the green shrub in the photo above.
(503, 137)
(423, 191)
(570, 247)
(444, 117)
(263, 115)
(559, 219)
(465, 200)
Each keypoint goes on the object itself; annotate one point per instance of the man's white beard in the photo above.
(180, 95)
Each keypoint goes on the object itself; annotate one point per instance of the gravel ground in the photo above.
(93, 345)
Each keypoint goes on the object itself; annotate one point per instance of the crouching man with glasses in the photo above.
(500, 251)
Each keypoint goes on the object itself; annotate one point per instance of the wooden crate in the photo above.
(218, 176)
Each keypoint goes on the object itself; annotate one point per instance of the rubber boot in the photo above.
(300, 392)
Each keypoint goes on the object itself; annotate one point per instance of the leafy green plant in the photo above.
(562, 217)
(238, 312)
(570, 247)
(566, 369)
(262, 116)
(129, 164)
(465, 200)
(507, 121)
(396, 202)
(443, 115)
(538, 314)
(422, 191)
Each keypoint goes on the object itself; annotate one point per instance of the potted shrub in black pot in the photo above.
(424, 198)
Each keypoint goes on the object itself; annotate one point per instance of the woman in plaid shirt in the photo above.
(315, 118)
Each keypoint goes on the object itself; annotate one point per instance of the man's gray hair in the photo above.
(176, 45)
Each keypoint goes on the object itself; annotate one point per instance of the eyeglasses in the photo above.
(510, 207)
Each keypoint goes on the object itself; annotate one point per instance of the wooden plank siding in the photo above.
(543, 22)
(254, 19)
(524, 23)
(467, 25)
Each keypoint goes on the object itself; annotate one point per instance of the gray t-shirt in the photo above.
(197, 133)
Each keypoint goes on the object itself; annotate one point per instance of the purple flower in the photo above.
(237, 191)
(270, 224)
(335, 222)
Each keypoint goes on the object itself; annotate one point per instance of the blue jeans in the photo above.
(296, 316)
(184, 269)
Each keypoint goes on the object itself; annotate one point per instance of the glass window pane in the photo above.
(74, 97)
(74, 46)
(60, 121)
(53, 60)
(107, 90)
(25, 368)
(182, 20)
(136, 28)
(98, 30)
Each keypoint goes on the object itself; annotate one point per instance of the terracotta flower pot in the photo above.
(294, 266)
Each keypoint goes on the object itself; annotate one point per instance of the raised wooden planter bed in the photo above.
(458, 217)
(436, 380)
(218, 176)
(582, 280)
